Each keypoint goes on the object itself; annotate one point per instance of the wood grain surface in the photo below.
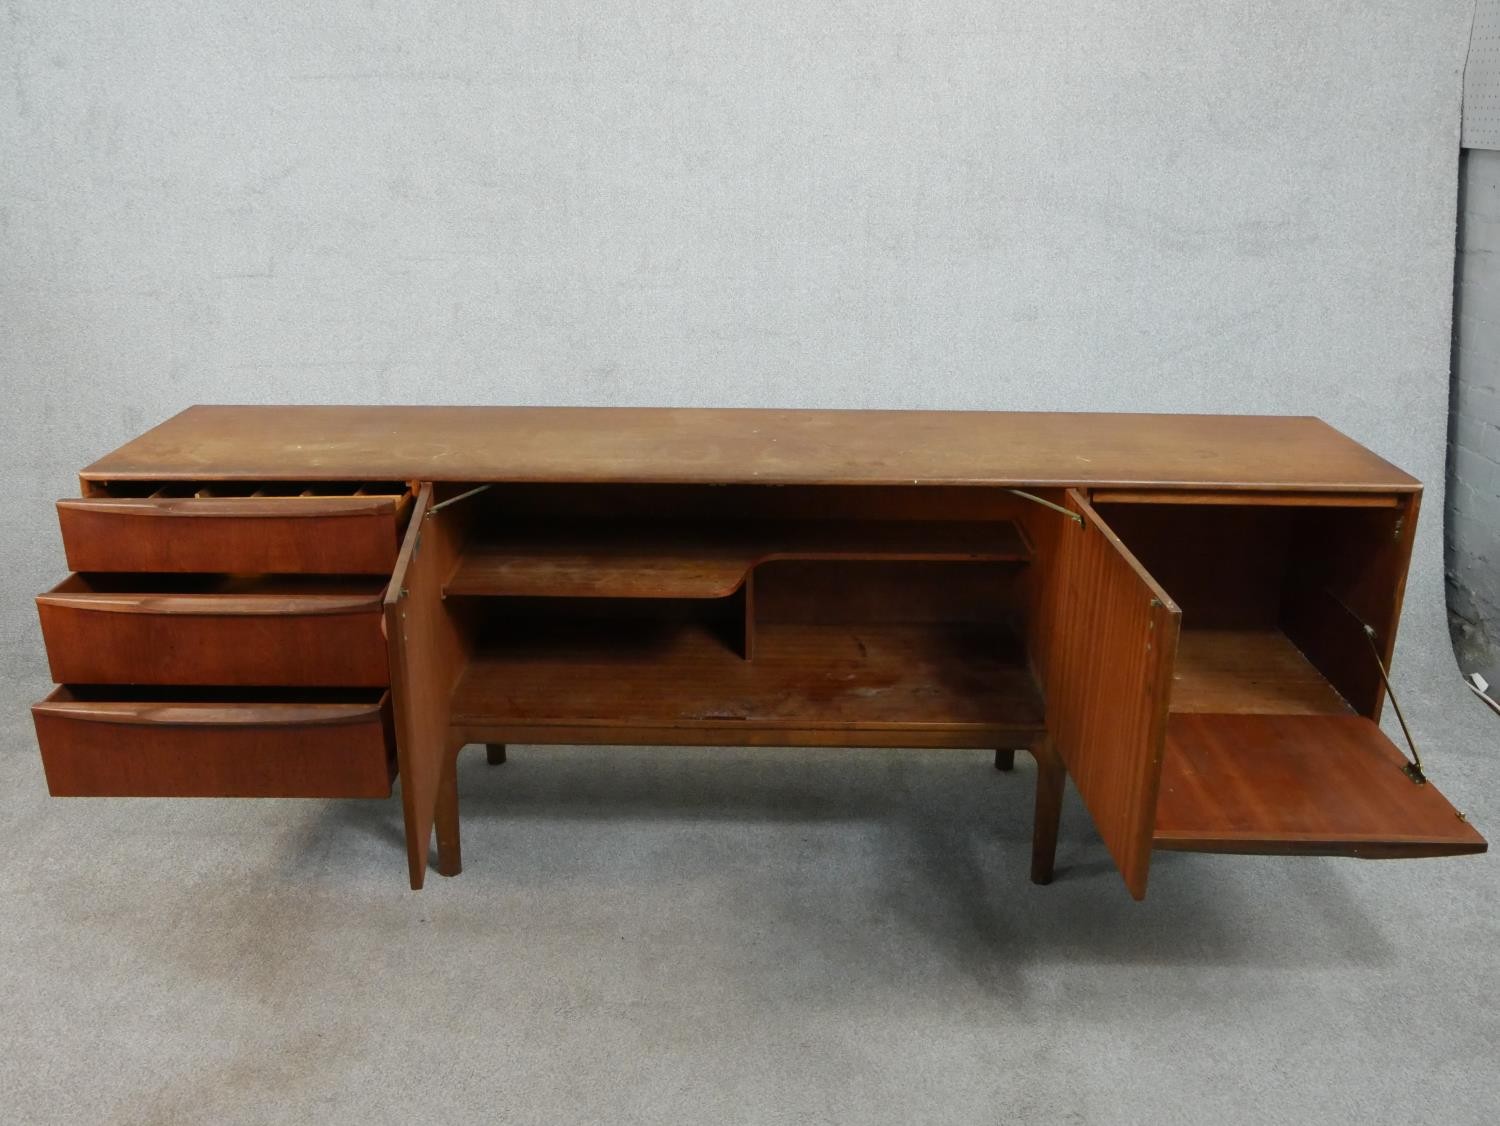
(702, 559)
(428, 648)
(1326, 785)
(942, 684)
(1107, 680)
(1249, 671)
(218, 630)
(291, 535)
(1349, 570)
(173, 743)
(718, 446)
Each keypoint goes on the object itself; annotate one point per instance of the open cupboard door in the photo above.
(428, 648)
(1237, 714)
(1106, 671)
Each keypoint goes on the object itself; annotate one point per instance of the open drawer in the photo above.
(215, 743)
(287, 528)
(215, 629)
(1213, 676)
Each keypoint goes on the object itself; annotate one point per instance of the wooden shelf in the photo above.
(1303, 784)
(681, 559)
(623, 681)
(1249, 672)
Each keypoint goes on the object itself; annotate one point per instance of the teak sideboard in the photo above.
(1190, 616)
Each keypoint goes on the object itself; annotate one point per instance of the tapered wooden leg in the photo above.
(1005, 760)
(495, 752)
(450, 858)
(1050, 780)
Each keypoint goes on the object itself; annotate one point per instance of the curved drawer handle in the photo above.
(239, 508)
(228, 714)
(216, 605)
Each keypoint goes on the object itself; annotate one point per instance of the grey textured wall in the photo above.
(1473, 516)
(1153, 204)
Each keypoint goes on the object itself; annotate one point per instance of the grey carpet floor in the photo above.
(723, 936)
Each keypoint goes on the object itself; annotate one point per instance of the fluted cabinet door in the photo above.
(1107, 676)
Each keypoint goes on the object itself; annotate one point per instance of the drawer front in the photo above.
(318, 535)
(212, 639)
(159, 748)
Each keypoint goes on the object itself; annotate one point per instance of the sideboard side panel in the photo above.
(1344, 577)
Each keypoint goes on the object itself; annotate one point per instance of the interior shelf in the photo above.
(702, 559)
(608, 680)
(1249, 672)
(1307, 784)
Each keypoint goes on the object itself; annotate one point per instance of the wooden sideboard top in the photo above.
(740, 446)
